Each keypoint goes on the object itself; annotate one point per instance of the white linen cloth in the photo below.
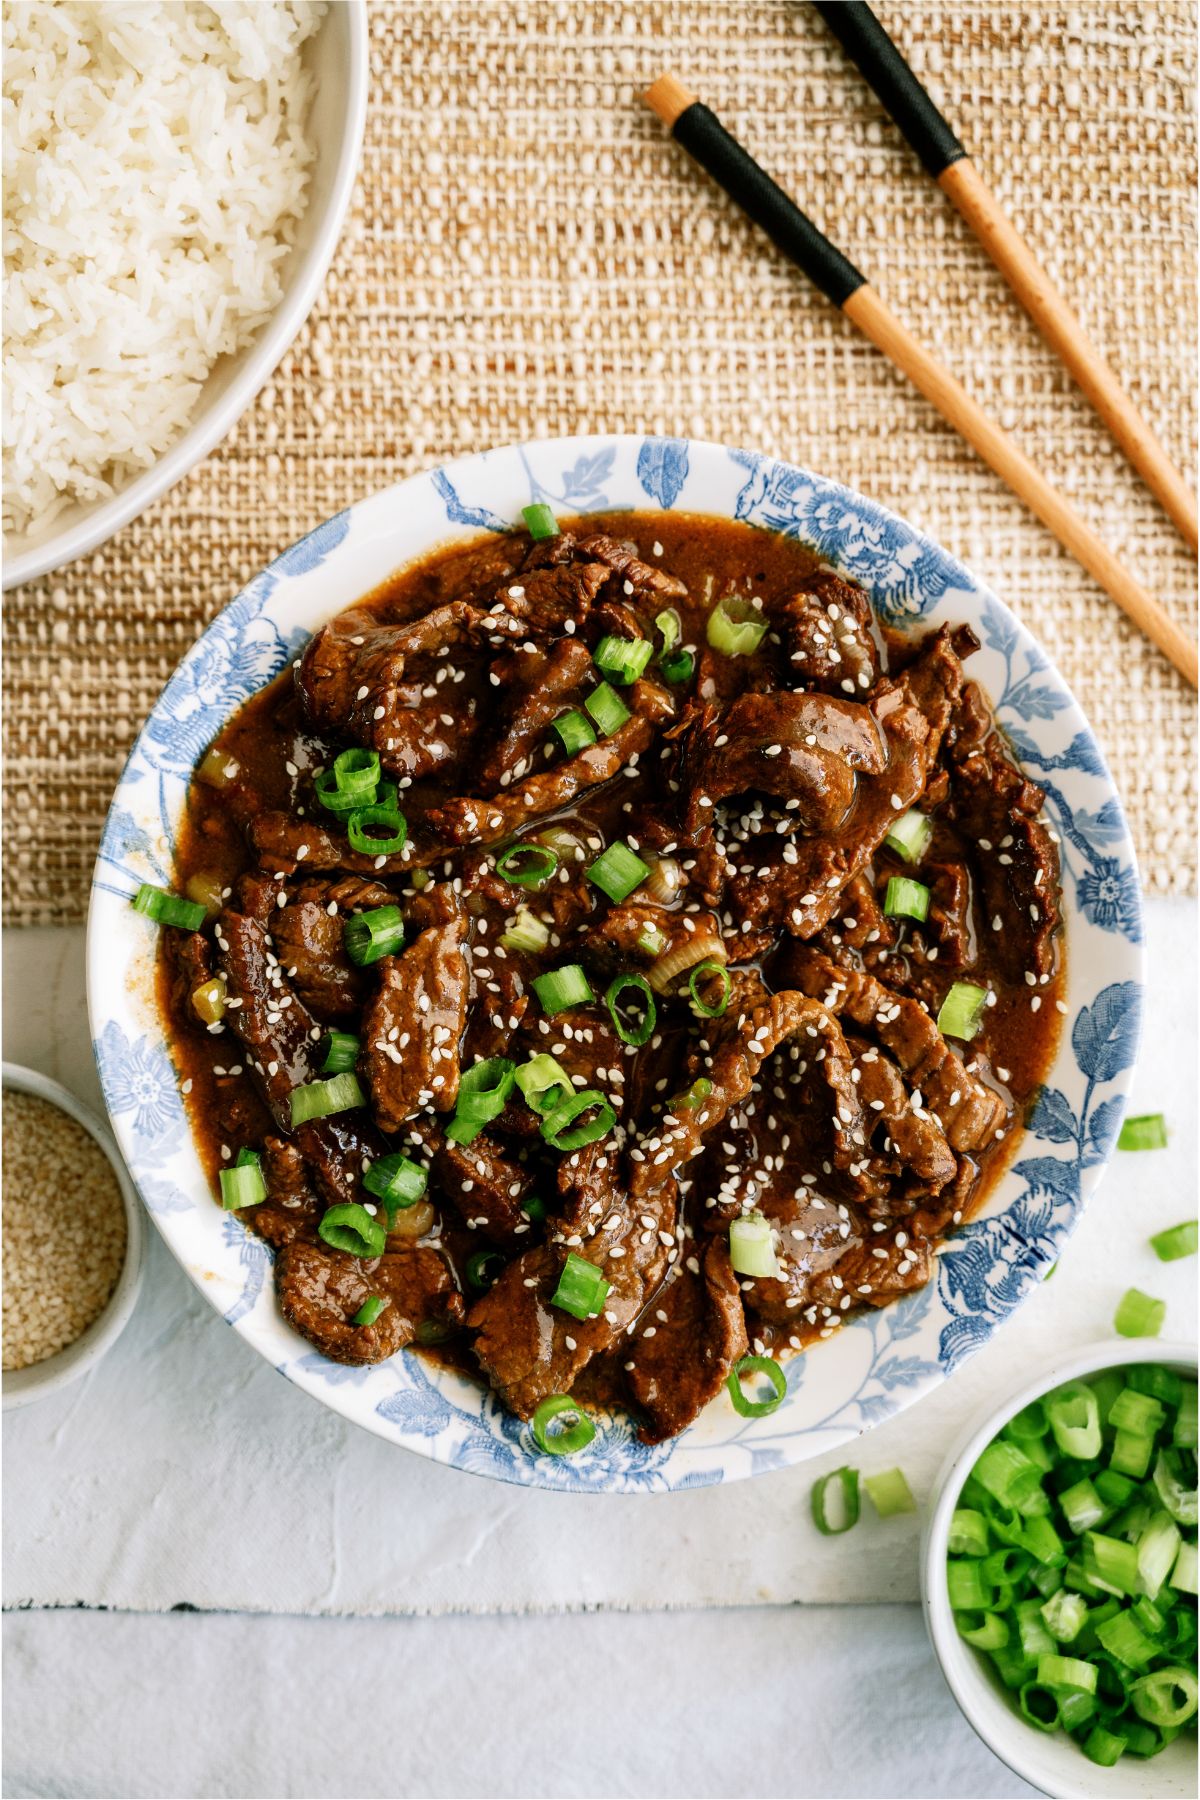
(183, 1471)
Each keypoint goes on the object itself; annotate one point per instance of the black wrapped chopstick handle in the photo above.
(705, 138)
(865, 41)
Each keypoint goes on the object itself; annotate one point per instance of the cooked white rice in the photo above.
(155, 165)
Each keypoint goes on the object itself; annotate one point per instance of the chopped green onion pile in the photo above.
(1072, 1560)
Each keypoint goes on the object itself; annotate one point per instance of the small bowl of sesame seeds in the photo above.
(72, 1235)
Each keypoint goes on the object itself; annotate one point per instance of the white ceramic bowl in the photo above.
(337, 54)
(1050, 1762)
(23, 1385)
(880, 1362)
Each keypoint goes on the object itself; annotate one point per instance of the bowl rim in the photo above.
(1019, 1748)
(22, 1386)
(263, 356)
(375, 526)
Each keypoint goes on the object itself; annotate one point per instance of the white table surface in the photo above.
(118, 1495)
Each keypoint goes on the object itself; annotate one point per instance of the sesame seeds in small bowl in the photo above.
(72, 1237)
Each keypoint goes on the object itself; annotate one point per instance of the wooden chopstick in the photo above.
(703, 136)
(884, 68)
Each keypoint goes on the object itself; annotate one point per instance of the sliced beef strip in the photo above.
(494, 1017)
(873, 1273)
(281, 1038)
(374, 684)
(412, 1028)
(191, 966)
(802, 890)
(283, 844)
(486, 1188)
(813, 1234)
(694, 1335)
(829, 634)
(949, 923)
(320, 1290)
(584, 1043)
(903, 1135)
(309, 936)
(464, 821)
(993, 804)
(733, 1073)
(547, 601)
(804, 749)
(639, 580)
(536, 689)
(529, 1348)
(291, 1211)
(862, 920)
(968, 1112)
(614, 940)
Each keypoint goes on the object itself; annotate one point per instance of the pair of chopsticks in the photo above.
(702, 135)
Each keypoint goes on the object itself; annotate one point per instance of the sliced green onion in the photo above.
(168, 909)
(1057, 1671)
(1124, 1638)
(1006, 1473)
(1131, 1453)
(905, 899)
(528, 865)
(574, 731)
(527, 933)
(706, 972)
(967, 1588)
(370, 935)
(1147, 1132)
(962, 1011)
(652, 941)
(646, 1014)
(625, 659)
(890, 1493)
(1103, 1747)
(1064, 1616)
(1184, 1433)
(351, 1228)
(483, 1270)
(1183, 1575)
(1031, 1628)
(844, 1484)
(678, 666)
(1112, 1488)
(244, 1184)
(910, 836)
(735, 628)
(1177, 1493)
(321, 1099)
(559, 1128)
(671, 627)
(483, 1094)
(607, 709)
(1082, 1506)
(1156, 1551)
(544, 1083)
(1153, 1379)
(617, 871)
(540, 523)
(1180, 1240)
(396, 1181)
(767, 1367)
(1137, 1411)
(217, 768)
(534, 1208)
(752, 1247)
(573, 1429)
(561, 988)
(581, 1288)
(1110, 1563)
(1031, 1422)
(339, 1053)
(1039, 1707)
(208, 1000)
(352, 782)
(377, 831)
(1139, 1315)
(1168, 1697)
(370, 1310)
(694, 1096)
(1074, 1415)
(987, 1631)
(968, 1533)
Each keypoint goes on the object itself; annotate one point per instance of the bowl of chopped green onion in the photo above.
(1058, 1570)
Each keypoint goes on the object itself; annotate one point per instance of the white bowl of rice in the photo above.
(176, 176)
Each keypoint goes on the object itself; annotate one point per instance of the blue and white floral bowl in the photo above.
(879, 1363)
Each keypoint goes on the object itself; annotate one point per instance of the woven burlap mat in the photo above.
(528, 254)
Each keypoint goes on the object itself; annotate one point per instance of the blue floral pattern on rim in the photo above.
(881, 1361)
